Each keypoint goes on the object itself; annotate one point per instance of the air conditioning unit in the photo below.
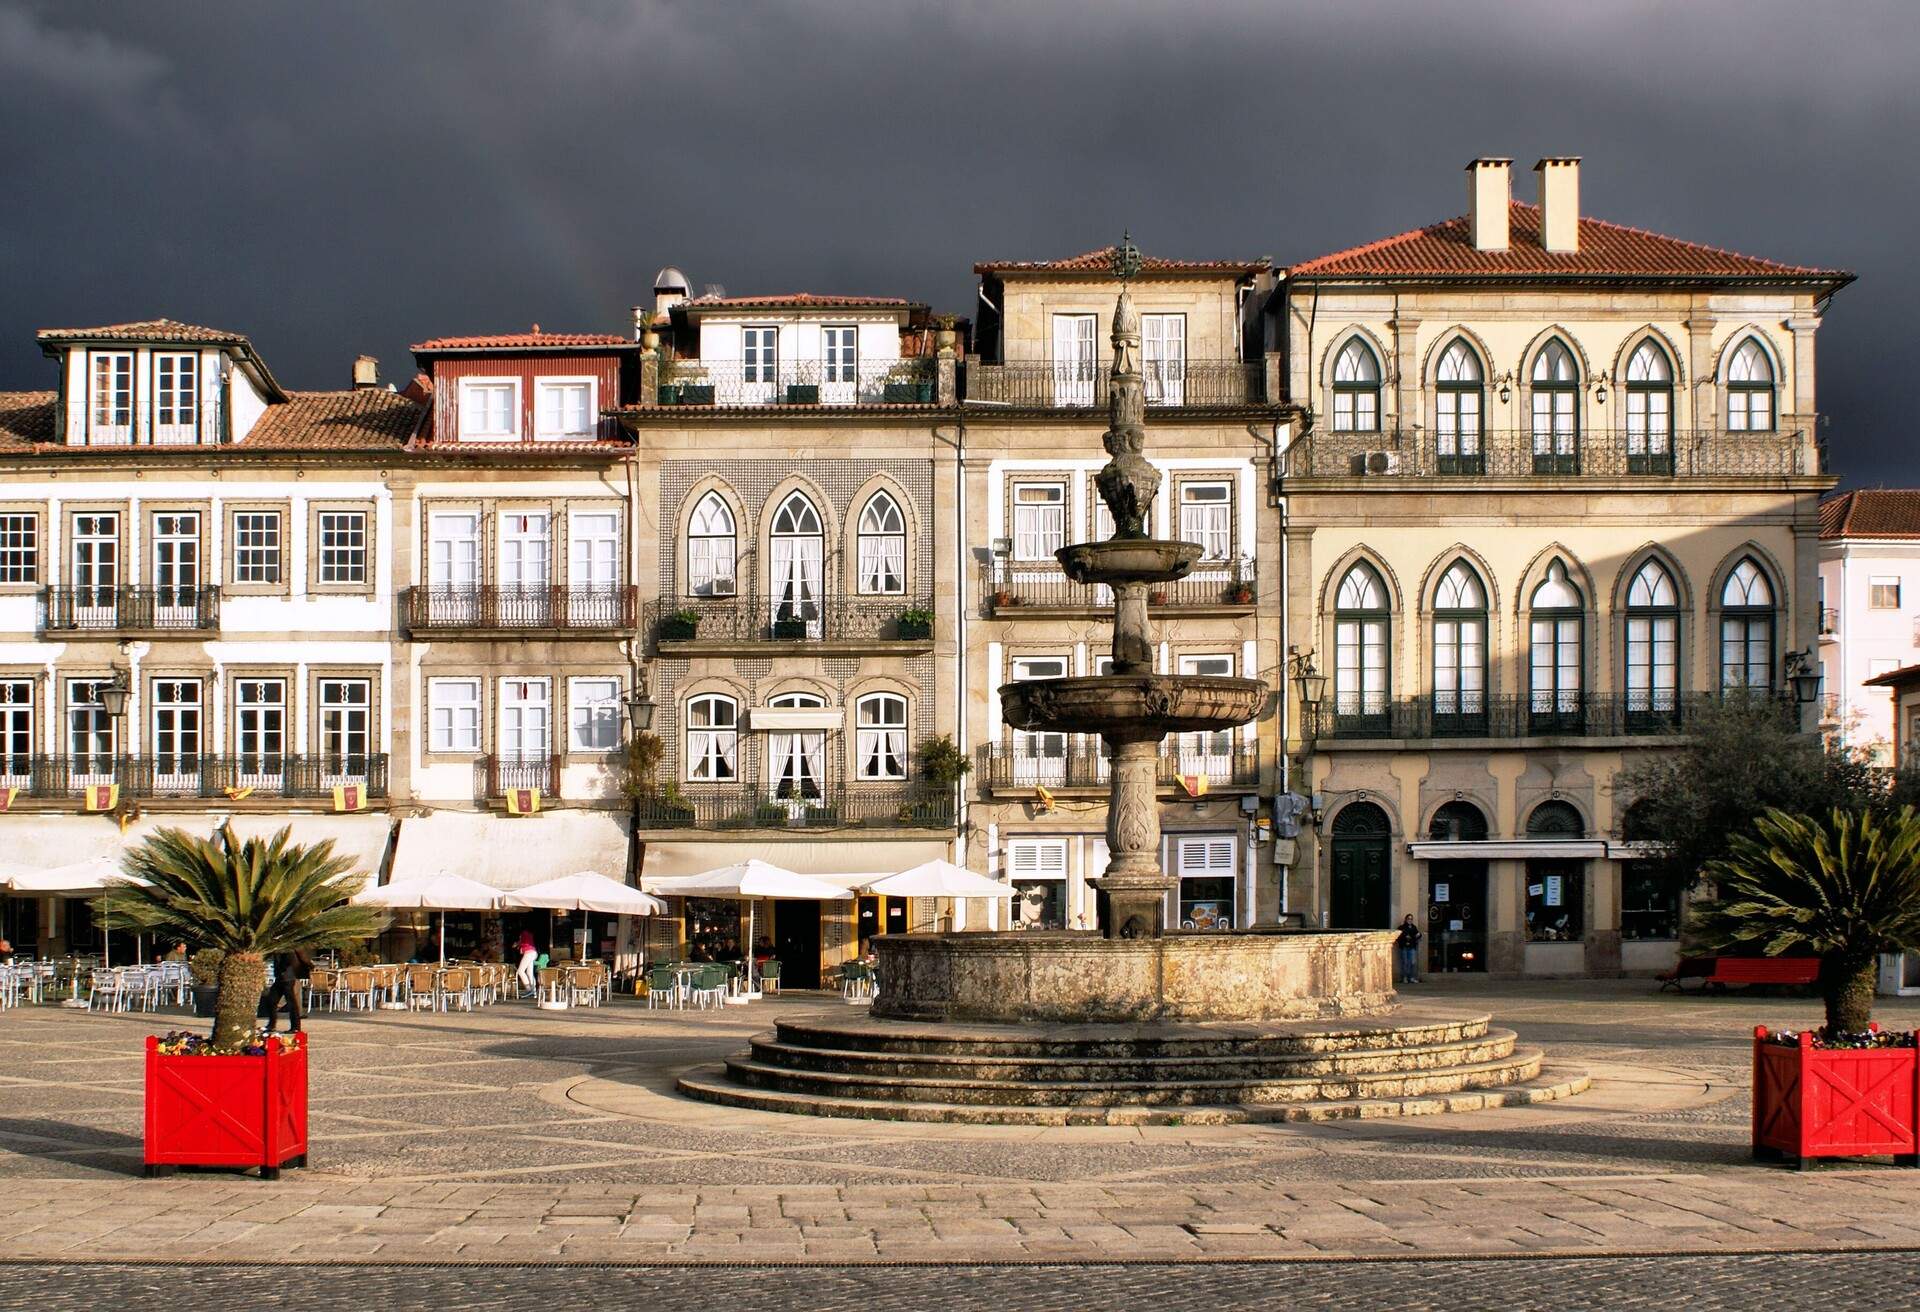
(1383, 462)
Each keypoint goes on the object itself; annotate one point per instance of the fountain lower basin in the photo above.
(1135, 707)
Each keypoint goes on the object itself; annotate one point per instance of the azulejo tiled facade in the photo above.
(1524, 488)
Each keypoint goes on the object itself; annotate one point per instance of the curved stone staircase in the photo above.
(1133, 1074)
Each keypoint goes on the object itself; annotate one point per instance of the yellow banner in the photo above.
(6, 798)
(103, 797)
(523, 801)
(1045, 799)
(349, 797)
(239, 794)
(1195, 784)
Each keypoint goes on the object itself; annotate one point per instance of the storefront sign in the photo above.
(1440, 892)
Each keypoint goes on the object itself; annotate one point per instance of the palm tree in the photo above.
(1846, 885)
(250, 898)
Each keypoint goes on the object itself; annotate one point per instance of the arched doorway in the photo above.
(1556, 899)
(1361, 892)
(1457, 893)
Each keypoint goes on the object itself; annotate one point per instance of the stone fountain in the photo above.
(1139, 1022)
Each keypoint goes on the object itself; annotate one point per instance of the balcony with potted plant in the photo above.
(831, 624)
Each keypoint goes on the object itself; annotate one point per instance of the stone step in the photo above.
(711, 1084)
(1511, 1069)
(1149, 1040)
(1175, 1069)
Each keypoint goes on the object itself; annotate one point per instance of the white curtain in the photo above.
(797, 574)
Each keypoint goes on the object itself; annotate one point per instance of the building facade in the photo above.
(1869, 590)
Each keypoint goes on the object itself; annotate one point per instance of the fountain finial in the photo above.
(1125, 259)
(1129, 483)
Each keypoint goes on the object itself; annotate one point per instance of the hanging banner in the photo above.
(349, 797)
(102, 797)
(6, 798)
(523, 801)
(1196, 785)
(239, 794)
(1043, 800)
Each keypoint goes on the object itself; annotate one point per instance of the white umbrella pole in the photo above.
(443, 938)
(751, 940)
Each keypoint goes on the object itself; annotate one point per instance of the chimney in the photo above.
(1489, 189)
(670, 288)
(366, 372)
(1559, 202)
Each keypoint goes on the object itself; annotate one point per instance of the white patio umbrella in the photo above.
(442, 893)
(586, 890)
(749, 879)
(937, 879)
(80, 879)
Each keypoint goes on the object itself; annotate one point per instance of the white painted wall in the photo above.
(1865, 641)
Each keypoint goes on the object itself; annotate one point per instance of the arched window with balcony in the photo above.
(880, 736)
(883, 546)
(1460, 652)
(799, 566)
(1649, 410)
(1360, 643)
(712, 549)
(1460, 402)
(1356, 389)
(1556, 654)
(1555, 382)
(713, 739)
(797, 758)
(1750, 396)
(1746, 629)
(1653, 648)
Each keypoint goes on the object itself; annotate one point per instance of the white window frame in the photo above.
(252, 733)
(1033, 543)
(20, 547)
(110, 421)
(880, 746)
(351, 722)
(712, 744)
(1877, 581)
(1032, 861)
(704, 577)
(879, 548)
(593, 714)
(354, 559)
(1163, 357)
(590, 548)
(92, 736)
(1206, 856)
(18, 745)
(259, 559)
(470, 386)
(1216, 539)
(524, 718)
(453, 715)
(760, 362)
(840, 353)
(543, 386)
(175, 719)
(1077, 366)
(185, 366)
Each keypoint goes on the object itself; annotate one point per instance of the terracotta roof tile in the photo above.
(798, 301)
(26, 418)
(147, 330)
(367, 417)
(1101, 261)
(1880, 512)
(533, 339)
(1906, 674)
(1446, 249)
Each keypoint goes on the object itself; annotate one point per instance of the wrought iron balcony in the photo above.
(495, 776)
(1520, 453)
(1012, 588)
(1829, 621)
(1046, 385)
(728, 383)
(834, 617)
(485, 609)
(832, 805)
(1066, 762)
(1508, 716)
(216, 778)
(130, 610)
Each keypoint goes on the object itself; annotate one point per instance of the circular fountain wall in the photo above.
(1084, 978)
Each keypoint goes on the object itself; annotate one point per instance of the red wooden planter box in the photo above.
(1813, 1102)
(227, 1111)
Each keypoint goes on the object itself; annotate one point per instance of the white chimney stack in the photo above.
(1489, 189)
(366, 372)
(1559, 202)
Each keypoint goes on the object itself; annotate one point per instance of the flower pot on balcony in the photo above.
(803, 394)
(670, 393)
(1240, 595)
(914, 624)
(680, 627)
(822, 817)
(907, 393)
(696, 394)
(787, 630)
(1811, 1101)
(239, 1110)
(1157, 597)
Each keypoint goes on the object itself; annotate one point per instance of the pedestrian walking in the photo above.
(290, 971)
(529, 955)
(1406, 949)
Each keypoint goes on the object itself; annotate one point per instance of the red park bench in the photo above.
(1718, 972)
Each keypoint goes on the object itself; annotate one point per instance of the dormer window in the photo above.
(112, 396)
(489, 409)
(176, 397)
(564, 408)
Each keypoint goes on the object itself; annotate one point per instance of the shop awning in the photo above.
(362, 839)
(34, 843)
(842, 861)
(510, 852)
(1501, 849)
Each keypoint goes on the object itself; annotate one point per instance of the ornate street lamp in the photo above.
(639, 705)
(1311, 685)
(1804, 675)
(112, 696)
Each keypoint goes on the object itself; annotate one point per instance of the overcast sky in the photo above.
(344, 177)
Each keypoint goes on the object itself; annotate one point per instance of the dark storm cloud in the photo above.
(354, 176)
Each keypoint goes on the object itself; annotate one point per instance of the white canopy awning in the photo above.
(1502, 849)
(938, 879)
(511, 852)
(833, 859)
(361, 838)
(80, 879)
(74, 855)
(799, 719)
(751, 878)
(443, 892)
(586, 891)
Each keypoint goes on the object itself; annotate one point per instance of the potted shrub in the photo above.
(772, 814)
(204, 966)
(696, 394)
(1846, 886)
(669, 393)
(822, 816)
(1158, 597)
(788, 626)
(680, 625)
(914, 622)
(234, 1100)
(1240, 594)
(803, 394)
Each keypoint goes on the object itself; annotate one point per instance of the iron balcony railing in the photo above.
(1829, 620)
(1070, 761)
(1518, 453)
(70, 609)
(224, 778)
(834, 617)
(509, 606)
(1082, 385)
(829, 805)
(495, 776)
(798, 382)
(1013, 587)
(1589, 715)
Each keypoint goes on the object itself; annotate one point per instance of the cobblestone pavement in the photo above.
(1701, 1284)
(519, 1136)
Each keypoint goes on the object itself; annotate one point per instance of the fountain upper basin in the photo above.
(1132, 707)
(1129, 560)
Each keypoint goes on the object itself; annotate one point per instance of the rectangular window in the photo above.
(346, 725)
(1209, 754)
(176, 398)
(1164, 357)
(1039, 520)
(1037, 868)
(1206, 517)
(19, 548)
(1883, 592)
(839, 345)
(880, 738)
(489, 410)
(1556, 901)
(90, 736)
(1206, 867)
(95, 543)
(343, 547)
(564, 409)
(176, 730)
(256, 546)
(593, 556)
(593, 710)
(526, 719)
(16, 729)
(1649, 904)
(1039, 758)
(176, 558)
(453, 715)
(758, 354)
(112, 396)
(260, 727)
(1075, 368)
